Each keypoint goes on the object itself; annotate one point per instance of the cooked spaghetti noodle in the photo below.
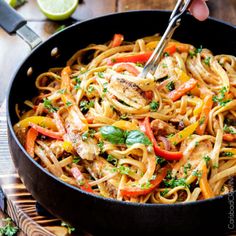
(168, 138)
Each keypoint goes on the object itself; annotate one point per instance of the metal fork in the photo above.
(180, 8)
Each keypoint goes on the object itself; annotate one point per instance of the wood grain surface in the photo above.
(13, 52)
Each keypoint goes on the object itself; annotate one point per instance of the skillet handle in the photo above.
(12, 22)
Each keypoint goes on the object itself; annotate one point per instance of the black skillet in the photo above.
(95, 214)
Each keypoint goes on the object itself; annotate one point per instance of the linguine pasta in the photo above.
(168, 138)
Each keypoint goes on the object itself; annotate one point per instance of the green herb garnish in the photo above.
(207, 61)
(136, 136)
(112, 159)
(170, 86)
(48, 105)
(117, 136)
(229, 129)
(70, 229)
(206, 159)
(227, 154)
(8, 229)
(78, 82)
(154, 106)
(85, 105)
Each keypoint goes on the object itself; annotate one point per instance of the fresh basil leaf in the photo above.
(113, 134)
(136, 136)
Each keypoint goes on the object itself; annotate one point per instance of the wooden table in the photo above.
(14, 50)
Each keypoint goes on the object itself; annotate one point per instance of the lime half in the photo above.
(57, 9)
(11, 2)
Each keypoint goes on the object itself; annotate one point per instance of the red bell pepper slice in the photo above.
(130, 191)
(46, 132)
(170, 156)
(148, 95)
(139, 58)
(30, 141)
(127, 67)
(80, 179)
(117, 40)
(170, 49)
(229, 137)
(183, 89)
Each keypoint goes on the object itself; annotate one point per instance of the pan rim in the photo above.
(101, 198)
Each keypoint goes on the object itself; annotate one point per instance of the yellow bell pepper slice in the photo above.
(198, 103)
(181, 47)
(204, 184)
(125, 125)
(182, 76)
(67, 146)
(152, 45)
(38, 120)
(183, 134)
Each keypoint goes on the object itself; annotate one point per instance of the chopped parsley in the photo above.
(169, 174)
(124, 117)
(164, 65)
(172, 183)
(77, 83)
(70, 229)
(215, 166)
(227, 154)
(163, 193)
(187, 167)
(104, 88)
(146, 185)
(221, 98)
(76, 159)
(101, 146)
(48, 105)
(206, 159)
(207, 61)
(229, 129)
(154, 105)
(170, 135)
(87, 134)
(112, 159)
(170, 86)
(195, 52)
(202, 120)
(199, 50)
(166, 54)
(139, 64)
(100, 75)
(124, 170)
(68, 104)
(160, 160)
(196, 144)
(198, 174)
(85, 105)
(8, 229)
(90, 89)
(61, 91)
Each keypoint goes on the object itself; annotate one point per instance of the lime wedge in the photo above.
(11, 2)
(57, 9)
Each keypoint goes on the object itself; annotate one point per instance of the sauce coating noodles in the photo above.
(168, 138)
